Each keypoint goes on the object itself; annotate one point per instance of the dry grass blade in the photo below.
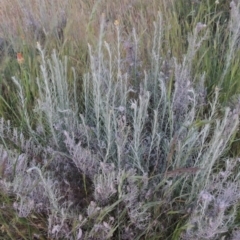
(181, 171)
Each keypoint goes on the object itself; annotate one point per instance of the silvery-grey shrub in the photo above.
(138, 146)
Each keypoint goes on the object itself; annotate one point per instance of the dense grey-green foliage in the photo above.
(140, 156)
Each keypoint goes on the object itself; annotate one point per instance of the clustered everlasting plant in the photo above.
(134, 152)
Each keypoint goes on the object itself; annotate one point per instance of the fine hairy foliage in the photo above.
(133, 147)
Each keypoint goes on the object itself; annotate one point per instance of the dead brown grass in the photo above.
(84, 16)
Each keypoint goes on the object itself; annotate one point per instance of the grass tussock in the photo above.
(119, 120)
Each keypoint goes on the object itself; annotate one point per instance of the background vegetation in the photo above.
(119, 119)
